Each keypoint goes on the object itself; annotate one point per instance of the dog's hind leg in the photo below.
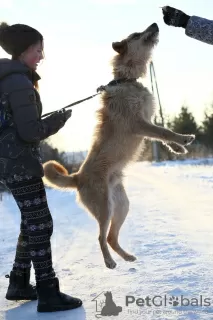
(160, 133)
(104, 221)
(102, 210)
(97, 201)
(121, 209)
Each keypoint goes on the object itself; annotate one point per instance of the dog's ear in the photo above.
(120, 46)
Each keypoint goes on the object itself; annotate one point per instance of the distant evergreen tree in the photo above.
(184, 123)
(207, 128)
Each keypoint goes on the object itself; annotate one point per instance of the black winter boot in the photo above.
(50, 298)
(20, 287)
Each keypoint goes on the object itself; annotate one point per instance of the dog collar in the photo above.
(115, 82)
(121, 80)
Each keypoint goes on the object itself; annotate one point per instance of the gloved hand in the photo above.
(66, 114)
(174, 17)
(57, 120)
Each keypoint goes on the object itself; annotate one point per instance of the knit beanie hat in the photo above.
(16, 38)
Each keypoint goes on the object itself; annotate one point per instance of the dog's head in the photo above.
(134, 52)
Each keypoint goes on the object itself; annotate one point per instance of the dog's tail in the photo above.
(57, 176)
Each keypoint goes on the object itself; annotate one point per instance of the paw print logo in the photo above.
(174, 301)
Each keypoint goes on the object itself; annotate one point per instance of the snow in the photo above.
(169, 229)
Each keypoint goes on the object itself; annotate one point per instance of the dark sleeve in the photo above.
(23, 104)
(200, 29)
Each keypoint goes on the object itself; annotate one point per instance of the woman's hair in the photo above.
(36, 85)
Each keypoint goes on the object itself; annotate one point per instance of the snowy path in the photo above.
(169, 229)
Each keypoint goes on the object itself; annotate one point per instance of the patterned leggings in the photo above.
(36, 227)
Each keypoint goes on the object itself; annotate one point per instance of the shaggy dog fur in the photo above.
(124, 120)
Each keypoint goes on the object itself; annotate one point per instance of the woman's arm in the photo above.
(200, 29)
(22, 100)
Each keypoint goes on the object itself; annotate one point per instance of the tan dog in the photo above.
(124, 121)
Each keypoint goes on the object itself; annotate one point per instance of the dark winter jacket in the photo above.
(19, 143)
(200, 29)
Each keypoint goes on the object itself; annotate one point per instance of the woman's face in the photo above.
(33, 55)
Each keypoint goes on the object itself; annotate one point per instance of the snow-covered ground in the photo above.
(169, 228)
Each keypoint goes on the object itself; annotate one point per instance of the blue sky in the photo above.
(78, 37)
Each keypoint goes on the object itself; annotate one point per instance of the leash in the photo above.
(99, 90)
(72, 104)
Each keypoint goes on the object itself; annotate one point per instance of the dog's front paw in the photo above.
(175, 148)
(188, 139)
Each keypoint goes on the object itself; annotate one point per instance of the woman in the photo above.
(21, 168)
(195, 27)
